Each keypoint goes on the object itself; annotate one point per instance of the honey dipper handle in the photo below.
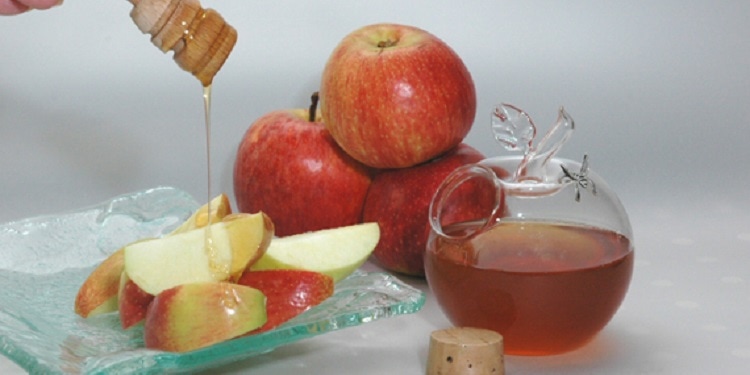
(200, 38)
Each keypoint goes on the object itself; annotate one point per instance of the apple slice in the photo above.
(213, 253)
(192, 316)
(132, 302)
(98, 294)
(336, 252)
(249, 240)
(288, 292)
(212, 212)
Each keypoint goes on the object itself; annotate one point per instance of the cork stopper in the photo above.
(200, 38)
(465, 351)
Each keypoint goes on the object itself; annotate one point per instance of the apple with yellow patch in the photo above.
(195, 315)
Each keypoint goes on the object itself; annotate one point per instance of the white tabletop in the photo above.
(686, 312)
(89, 109)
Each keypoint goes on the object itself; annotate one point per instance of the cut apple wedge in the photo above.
(335, 252)
(214, 253)
(132, 302)
(250, 240)
(288, 292)
(192, 316)
(98, 294)
(212, 212)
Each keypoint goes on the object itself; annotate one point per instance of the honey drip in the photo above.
(218, 271)
(201, 41)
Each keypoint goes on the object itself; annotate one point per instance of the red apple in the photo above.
(394, 96)
(290, 168)
(288, 292)
(399, 201)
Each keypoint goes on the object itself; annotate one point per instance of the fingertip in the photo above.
(12, 7)
(42, 4)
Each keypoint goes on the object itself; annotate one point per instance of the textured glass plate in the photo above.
(44, 260)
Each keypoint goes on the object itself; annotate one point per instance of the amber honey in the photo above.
(218, 271)
(547, 288)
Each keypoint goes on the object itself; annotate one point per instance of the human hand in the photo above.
(11, 7)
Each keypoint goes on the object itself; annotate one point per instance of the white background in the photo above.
(660, 92)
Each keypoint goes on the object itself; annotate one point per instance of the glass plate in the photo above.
(44, 260)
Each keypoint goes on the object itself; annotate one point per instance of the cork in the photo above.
(200, 38)
(465, 351)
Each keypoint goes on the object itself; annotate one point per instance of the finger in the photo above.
(40, 4)
(11, 7)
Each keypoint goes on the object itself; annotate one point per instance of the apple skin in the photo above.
(288, 292)
(132, 302)
(196, 315)
(98, 294)
(394, 96)
(399, 201)
(291, 169)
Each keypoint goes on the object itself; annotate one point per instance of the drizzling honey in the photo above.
(209, 246)
(201, 41)
(220, 272)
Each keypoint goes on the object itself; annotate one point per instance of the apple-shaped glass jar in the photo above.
(549, 262)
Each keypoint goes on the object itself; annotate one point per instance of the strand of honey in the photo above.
(201, 41)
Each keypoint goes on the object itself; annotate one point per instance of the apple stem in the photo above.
(386, 43)
(313, 106)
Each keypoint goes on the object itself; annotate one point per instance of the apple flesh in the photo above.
(288, 292)
(394, 96)
(214, 253)
(335, 252)
(213, 211)
(99, 292)
(251, 234)
(196, 315)
(408, 192)
(286, 165)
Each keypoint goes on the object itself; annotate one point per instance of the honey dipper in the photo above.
(200, 38)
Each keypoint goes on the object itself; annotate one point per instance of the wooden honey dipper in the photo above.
(200, 38)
